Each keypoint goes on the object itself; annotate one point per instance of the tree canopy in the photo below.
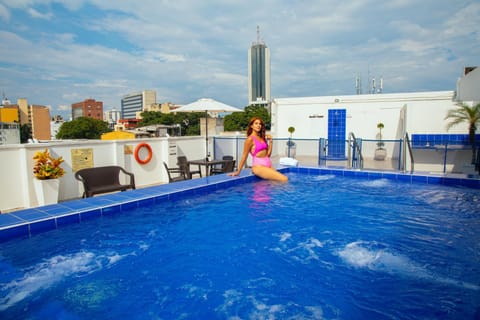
(238, 121)
(25, 133)
(83, 128)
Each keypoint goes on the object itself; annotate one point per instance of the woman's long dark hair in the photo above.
(262, 131)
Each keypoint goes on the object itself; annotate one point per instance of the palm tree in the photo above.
(471, 115)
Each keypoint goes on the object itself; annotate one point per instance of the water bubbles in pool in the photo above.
(324, 177)
(358, 255)
(377, 183)
(371, 255)
(285, 236)
(46, 274)
(51, 271)
(304, 252)
(263, 308)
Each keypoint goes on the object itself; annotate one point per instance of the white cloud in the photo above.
(4, 13)
(36, 14)
(103, 84)
(18, 3)
(464, 22)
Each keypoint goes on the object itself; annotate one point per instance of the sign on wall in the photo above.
(81, 159)
(127, 149)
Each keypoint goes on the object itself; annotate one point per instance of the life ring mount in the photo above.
(139, 147)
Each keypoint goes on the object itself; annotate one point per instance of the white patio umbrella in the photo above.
(207, 105)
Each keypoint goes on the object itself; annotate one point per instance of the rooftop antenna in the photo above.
(358, 84)
(374, 85)
(259, 41)
(368, 80)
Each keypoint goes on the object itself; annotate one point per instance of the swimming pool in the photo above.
(319, 247)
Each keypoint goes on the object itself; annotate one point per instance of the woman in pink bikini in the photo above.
(256, 144)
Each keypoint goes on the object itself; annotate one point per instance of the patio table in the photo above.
(207, 164)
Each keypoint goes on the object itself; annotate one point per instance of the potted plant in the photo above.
(290, 150)
(380, 152)
(47, 171)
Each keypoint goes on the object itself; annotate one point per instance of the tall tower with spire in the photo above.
(258, 72)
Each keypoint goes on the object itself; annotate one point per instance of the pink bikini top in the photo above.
(259, 145)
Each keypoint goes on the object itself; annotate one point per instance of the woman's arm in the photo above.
(270, 144)
(246, 149)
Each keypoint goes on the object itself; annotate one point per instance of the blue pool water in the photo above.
(319, 247)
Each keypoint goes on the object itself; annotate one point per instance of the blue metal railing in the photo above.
(356, 149)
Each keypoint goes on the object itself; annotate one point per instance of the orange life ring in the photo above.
(137, 151)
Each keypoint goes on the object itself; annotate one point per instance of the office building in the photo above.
(258, 72)
(37, 117)
(111, 117)
(88, 108)
(40, 116)
(135, 103)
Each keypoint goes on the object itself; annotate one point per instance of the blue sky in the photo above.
(56, 53)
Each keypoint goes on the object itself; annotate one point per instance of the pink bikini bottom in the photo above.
(264, 162)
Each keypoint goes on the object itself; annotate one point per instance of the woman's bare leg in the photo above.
(269, 173)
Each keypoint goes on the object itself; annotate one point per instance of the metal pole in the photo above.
(206, 135)
(288, 143)
(349, 152)
(445, 158)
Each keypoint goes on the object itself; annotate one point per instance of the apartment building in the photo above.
(88, 108)
(37, 116)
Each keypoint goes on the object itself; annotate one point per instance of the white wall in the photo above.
(415, 113)
(16, 165)
(425, 113)
(468, 87)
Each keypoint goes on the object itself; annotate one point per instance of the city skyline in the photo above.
(56, 54)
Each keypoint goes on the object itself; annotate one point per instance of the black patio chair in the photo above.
(182, 163)
(174, 174)
(104, 179)
(228, 166)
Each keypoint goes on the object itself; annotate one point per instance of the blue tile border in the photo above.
(458, 180)
(28, 222)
